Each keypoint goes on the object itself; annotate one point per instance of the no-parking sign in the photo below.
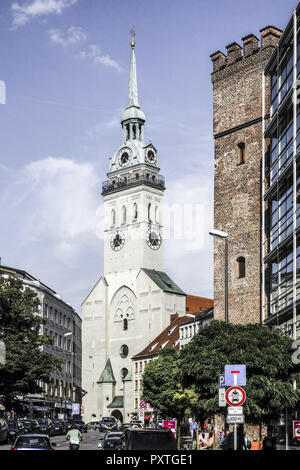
(235, 396)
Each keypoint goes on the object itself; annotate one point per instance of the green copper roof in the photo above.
(163, 281)
(128, 377)
(107, 375)
(116, 403)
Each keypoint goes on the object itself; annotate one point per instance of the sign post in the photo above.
(235, 377)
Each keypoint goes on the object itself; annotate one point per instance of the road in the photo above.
(90, 441)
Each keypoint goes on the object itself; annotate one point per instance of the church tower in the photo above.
(134, 299)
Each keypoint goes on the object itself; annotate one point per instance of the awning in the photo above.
(148, 416)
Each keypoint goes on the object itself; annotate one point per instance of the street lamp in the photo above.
(194, 317)
(224, 235)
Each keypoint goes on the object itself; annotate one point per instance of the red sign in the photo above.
(143, 404)
(296, 430)
(169, 424)
(235, 396)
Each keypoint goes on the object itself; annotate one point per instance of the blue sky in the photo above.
(65, 64)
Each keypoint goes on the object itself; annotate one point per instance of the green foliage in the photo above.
(162, 389)
(267, 354)
(20, 330)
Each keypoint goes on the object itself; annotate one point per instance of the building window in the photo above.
(136, 367)
(46, 311)
(241, 153)
(125, 324)
(149, 212)
(123, 215)
(241, 267)
(135, 211)
(124, 351)
(124, 372)
(113, 218)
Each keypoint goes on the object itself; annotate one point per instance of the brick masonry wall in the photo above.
(237, 96)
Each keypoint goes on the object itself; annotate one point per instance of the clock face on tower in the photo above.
(151, 156)
(124, 156)
(117, 241)
(153, 239)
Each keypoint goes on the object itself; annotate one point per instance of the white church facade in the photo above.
(134, 299)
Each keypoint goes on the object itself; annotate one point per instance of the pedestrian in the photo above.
(193, 428)
(269, 442)
(221, 437)
(246, 443)
(255, 444)
(203, 442)
(226, 444)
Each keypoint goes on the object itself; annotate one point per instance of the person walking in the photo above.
(269, 442)
(226, 444)
(246, 443)
(193, 428)
(255, 444)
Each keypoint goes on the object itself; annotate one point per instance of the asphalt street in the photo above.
(89, 442)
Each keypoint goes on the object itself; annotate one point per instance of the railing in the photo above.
(156, 181)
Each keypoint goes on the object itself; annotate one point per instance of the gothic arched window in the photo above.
(123, 215)
(241, 267)
(135, 211)
(156, 215)
(134, 131)
(124, 372)
(149, 211)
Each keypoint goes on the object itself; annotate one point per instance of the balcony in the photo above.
(155, 181)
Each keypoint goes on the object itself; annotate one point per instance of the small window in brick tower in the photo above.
(241, 267)
(241, 150)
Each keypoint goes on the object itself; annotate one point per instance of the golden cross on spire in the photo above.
(132, 32)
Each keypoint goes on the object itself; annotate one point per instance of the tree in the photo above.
(267, 354)
(20, 327)
(162, 389)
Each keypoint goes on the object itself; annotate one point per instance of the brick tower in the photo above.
(237, 124)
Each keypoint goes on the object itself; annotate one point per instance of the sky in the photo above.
(65, 65)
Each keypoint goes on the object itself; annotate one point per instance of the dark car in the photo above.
(111, 441)
(125, 426)
(14, 428)
(147, 439)
(33, 442)
(59, 426)
(28, 425)
(3, 431)
(108, 424)
(80, 425)
(45, 426)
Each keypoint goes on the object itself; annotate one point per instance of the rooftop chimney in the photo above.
(270, 36)
(250, 43)
(234, 52)
(218, 60)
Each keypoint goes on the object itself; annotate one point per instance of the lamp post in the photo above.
(224, 235)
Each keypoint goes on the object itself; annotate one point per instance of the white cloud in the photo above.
(94, 54)
(73, 35)
(31, 9)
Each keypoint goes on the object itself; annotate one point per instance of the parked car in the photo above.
(80, 425)
(28, 425)
(124, 426)
(59, 426)
(135, 423)
(108, 424)
(45, 426)
(33, 442)
(111, 441)
(147, 439)
(14, 428)
(95, 425)
(3, 431)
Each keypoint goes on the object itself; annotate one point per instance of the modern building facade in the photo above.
(281, 183)
(64, 325)
(238, 99)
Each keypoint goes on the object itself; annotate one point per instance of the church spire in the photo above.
(133, 91)
(133, 118)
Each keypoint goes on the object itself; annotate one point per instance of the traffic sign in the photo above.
(235, 419)
(222, 400)
(221, 380)
(235, 396)
(143, 404)
(235, 375)
(235, 410)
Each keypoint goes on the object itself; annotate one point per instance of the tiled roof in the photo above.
(194, 303)
(163, 281)
(169, 338)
